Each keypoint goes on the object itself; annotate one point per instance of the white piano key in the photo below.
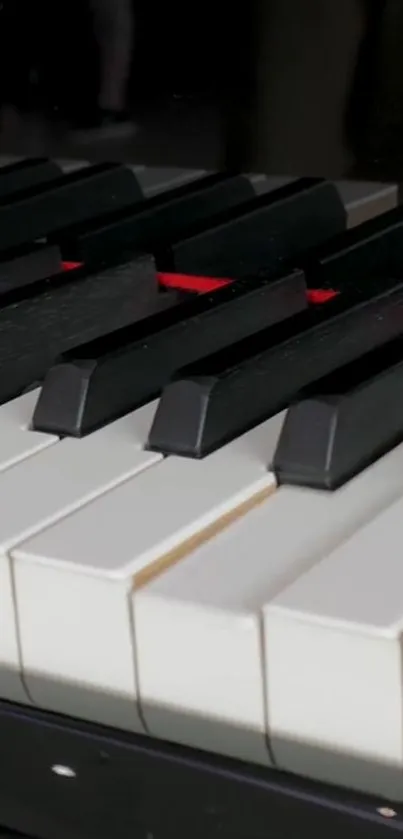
(198, 626)
(51, 484)
(11, 684)
(334, 644)
(17, 440)
(89, 561)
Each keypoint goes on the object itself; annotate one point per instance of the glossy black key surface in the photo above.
(368, 249)
(94, 384)
(26, 174)
(346, 421)
(39, 322)
(218, 398)
(41, 210)
(157, 221)
(27, 264)
(271, 228)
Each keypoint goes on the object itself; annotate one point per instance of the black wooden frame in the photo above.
(66, 779)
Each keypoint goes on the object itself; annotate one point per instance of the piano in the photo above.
(201, 420)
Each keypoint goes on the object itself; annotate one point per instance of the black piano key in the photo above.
(157, 221)
(363, 251)
(40, 322)
(213, 401)
(27, 264)
(96, 383)
(41, 210)
(26, 174)
(271, 228)
(347, 421)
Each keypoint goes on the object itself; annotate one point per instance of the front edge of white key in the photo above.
(204, 678)
(77, 644)
(48, 486)
(17, 443)
(334, 651)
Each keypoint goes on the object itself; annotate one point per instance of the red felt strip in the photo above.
(71, 266)
(205, 285)
(184, 282)
(321, 295)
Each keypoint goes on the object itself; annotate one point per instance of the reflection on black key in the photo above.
(27, 264)
(96, 383)
(157, 221)
(219, 398)
(41, 210)
(366, 250)
(347, 421)
(26, 174)
(273, 227)
(39, 322)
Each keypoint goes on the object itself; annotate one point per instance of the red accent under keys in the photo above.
(185, 282)
(320, 295)
(71, 266)
(204, 285)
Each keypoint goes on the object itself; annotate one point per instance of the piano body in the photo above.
(201, 421)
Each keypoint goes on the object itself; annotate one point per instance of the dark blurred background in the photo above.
(283, 86)
(178, 49)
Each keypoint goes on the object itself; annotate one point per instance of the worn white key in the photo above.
(51, 484)
(88, 563)
(198, 626)
(334, 653)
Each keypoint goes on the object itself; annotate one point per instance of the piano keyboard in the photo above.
(201, 463)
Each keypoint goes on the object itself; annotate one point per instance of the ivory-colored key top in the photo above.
(11, 684)
(89, 562)
(45, 487)
(198, 626)
(334, 663)
(17, 442)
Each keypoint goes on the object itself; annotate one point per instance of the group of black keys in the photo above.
(229, 306)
